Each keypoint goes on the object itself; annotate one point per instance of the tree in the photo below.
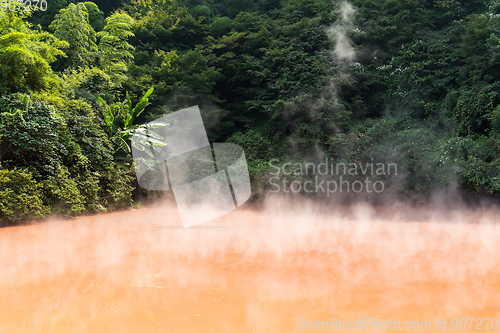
(96, 16)
(109, 5)
(32, 135)
(44, 18)
(114, 48)
(164, 25)
(25, 55)
(221, 26)
(200, 11)
(72, 25)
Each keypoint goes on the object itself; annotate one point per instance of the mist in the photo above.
(292, 83)
(255, 269)
(344, 47)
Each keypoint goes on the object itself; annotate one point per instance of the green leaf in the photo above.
(123, 166)
(128, 102)
(108, 115)
(128, 122)
(139, 107)
(121, 144)
(149, 92)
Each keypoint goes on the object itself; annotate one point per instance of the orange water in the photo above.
(249, 271)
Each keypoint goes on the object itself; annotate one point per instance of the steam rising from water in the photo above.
(251, 270)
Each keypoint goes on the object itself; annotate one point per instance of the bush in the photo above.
(258, 151)
(32, 135)
(116, 188)
(62, 194)
(88, 185)
(20, 196)
(36, 135)
(84, 130)
(60, 144)
(255, 145)
(481, 176)
(475, 106)
(481, 166)
(91, 192)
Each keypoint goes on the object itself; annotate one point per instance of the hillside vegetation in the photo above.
(414, 82)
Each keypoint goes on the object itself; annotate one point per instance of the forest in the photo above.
(411, 82)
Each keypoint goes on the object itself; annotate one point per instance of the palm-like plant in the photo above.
(121, 128)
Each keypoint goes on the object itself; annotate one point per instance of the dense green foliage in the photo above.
(72, 25)
(20, 196)
(414, 82)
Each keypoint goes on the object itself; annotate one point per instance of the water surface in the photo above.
(249, 271)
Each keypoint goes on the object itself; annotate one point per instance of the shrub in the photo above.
(116, 188)
(32, 135)
(84, 130)
(20, 196)
(258, 152)
(254, 144)
(62, 194)
(88, 185)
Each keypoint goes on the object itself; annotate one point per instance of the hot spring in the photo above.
(285, 267)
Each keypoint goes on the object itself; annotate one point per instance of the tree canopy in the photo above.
(414, 82)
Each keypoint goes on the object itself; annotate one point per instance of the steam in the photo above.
(344, 47)
(297, 259)
(253, 269)
(324, 108)
(186, 97)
